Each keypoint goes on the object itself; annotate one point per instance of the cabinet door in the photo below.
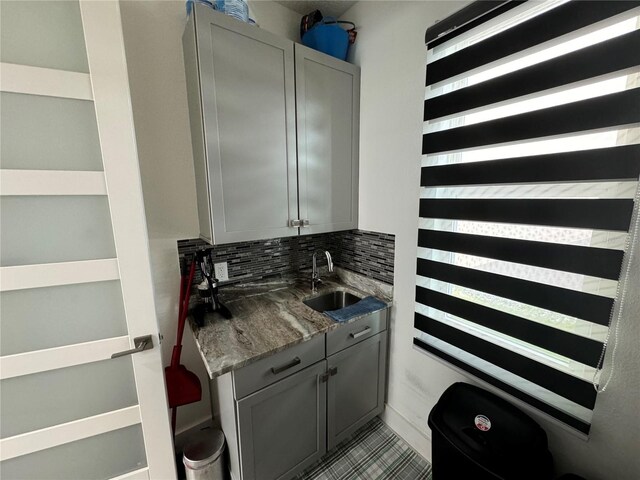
(355, 392)
(328, 110)
(283, 427)
(248, 102)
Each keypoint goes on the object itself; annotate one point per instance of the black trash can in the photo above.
(481, 436)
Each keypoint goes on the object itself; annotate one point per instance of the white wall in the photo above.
(275, 18)
(153, 42)
(390, 50)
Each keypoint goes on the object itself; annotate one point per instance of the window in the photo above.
(531, 158)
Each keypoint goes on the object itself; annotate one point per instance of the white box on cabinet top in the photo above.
(249, 91)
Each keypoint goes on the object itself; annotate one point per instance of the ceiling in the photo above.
(329, 8)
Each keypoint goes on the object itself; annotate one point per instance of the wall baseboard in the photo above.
(391, 417)
(407, 431)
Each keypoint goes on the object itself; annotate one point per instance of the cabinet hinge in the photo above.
(329, 373)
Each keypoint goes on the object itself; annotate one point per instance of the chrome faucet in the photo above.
(315, 276)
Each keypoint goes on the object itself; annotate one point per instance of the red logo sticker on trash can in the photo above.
(482, 423)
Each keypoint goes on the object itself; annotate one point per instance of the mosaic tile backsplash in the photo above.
(368, 253)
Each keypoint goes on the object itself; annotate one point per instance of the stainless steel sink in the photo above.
(331, 301)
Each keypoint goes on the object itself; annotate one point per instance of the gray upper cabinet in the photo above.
(255, 177)
(327, 114)
(241, 92)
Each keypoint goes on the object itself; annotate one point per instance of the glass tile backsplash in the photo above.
(368, 253)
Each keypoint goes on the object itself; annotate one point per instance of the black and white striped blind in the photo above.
(531, 158)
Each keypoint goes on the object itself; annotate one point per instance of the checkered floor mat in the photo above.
(373, 453)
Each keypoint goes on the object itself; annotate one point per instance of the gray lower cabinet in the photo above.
(282, 413)
(355, 390)
(282, 428)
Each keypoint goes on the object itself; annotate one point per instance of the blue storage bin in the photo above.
(328, 37)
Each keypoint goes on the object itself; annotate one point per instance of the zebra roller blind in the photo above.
(531, 157)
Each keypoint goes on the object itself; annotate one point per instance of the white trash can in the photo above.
(203, 456)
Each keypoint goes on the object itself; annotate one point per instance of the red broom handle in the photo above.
(183, 312)
(183, 280)
(185, 306)
(174, 414)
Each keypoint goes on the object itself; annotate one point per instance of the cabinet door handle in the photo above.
(282, 368)
(295, 223)
(305, 223)
(359, 334)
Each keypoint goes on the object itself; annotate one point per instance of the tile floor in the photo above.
(374, 453)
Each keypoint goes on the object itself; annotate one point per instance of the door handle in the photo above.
(282, 368)
(359, 334)
(141, 343)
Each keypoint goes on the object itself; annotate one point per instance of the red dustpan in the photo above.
(183, 386)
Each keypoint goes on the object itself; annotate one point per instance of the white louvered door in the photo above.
(75, 280)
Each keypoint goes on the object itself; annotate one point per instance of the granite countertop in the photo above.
(269, 316)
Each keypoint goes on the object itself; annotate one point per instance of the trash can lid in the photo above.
(203, 448)
(491, 432)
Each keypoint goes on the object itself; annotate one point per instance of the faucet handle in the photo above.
(329, 261)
